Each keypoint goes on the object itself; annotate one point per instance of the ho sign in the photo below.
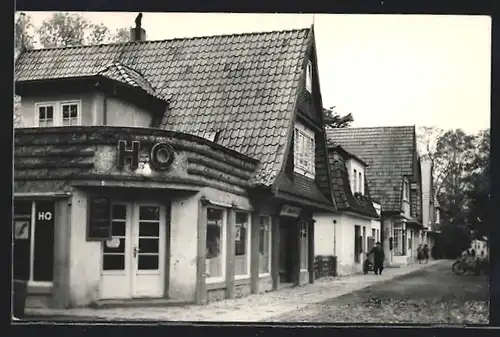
(161, 155)
(44, 216)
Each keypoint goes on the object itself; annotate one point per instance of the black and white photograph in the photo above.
(232, 167)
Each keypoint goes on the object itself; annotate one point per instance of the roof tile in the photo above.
(251, 77)
(389, 153)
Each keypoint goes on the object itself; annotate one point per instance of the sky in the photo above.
(387, 70)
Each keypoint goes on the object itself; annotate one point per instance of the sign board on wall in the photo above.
(22, 229)
(99, 219)
(161, 155)
(290, 211)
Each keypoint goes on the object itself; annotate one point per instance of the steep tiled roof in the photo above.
(344, 198)
(244, 86)
(389, 152)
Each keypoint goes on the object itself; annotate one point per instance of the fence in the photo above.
(325, 266)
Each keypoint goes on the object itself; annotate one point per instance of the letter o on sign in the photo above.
(162, 156)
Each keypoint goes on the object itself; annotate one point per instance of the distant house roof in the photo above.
(346, 153)
(245, 86)
(389, 152)
(344, 198)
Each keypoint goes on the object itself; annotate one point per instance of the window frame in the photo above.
(309, 77)
(58, 114)
(127, 220)
(269, 244)
(31, 282)
(304, 150)
(248, 246)
(223, 248)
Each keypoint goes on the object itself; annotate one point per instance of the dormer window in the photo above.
(360, 181)
(304, 148)
(406, 190)
(58, 114)
(309, 76)
(355, 185)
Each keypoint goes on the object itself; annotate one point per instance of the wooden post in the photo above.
(254, 253)
(275, 267)
(201, 291)
(230, 253)
(310, 246)
(297, 254)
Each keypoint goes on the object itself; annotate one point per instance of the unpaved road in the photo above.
(432, 295)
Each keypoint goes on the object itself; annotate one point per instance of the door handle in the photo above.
(136, 250)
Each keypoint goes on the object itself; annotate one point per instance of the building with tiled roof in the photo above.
(394, 180)
(169, 169)
(357, 224)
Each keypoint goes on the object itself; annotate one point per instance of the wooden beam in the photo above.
(201, 292)
(254, 254)
(230, 253)
(275, 267)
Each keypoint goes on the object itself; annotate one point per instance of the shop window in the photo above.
(264, 244)
(304, 251)
(399, 240)
(215, 265)
(242, 244)
(34, 240)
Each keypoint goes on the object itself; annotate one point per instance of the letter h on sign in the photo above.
(124, 153)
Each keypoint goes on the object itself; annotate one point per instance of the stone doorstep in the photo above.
(138, 303)
(72, 314)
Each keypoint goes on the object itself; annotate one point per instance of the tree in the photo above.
(480, 185)
(334, 120)
(23, 38)
(427, 137)
(453, 156)
(71, 29)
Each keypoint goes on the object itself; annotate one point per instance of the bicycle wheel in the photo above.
(458, 268)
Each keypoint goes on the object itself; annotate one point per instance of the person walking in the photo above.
(420, 254)
(378, 258)
(426, 253)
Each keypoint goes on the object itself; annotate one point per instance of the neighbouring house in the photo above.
(480, 245)
(352, 232)
(428, 203)
(393, 176)
(185, 169)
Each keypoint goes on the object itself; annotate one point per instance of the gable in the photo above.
(243, 86)
(389, 153)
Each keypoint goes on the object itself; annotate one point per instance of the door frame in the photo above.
(132, 209)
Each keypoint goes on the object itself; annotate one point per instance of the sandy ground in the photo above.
(260, 307)
(432, 295)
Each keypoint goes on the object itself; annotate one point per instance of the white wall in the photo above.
(324, 233)
(351, 165)
(121, 113)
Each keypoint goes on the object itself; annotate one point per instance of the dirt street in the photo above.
(432, 295)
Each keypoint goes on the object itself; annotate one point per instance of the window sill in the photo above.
(215, 280)
(264, 275)
(242, 277)
(215, 286)
(304, 270)
(39, 288)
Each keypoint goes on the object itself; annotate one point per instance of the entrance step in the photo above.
(138, 303)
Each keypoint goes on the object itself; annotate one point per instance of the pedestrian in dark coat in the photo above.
(378, 258)
(426, 253)
(420, 254)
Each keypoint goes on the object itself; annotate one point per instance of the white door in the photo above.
(148, 251)
(133, 262)
(116, 275)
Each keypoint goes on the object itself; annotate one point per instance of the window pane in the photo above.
(214, 242)
(119, 212)
(149, 229)
(241, 233)
(74, 110)
(43, 264)
(264, 238)
(65, 111)
(148, 262)
(148, 245)
(119, 249)
(118, 228)
(50, 112)
(21, 252)
(41, 112)
(149, 213)
(113, 262)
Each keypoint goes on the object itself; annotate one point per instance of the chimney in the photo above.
(137, 33)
